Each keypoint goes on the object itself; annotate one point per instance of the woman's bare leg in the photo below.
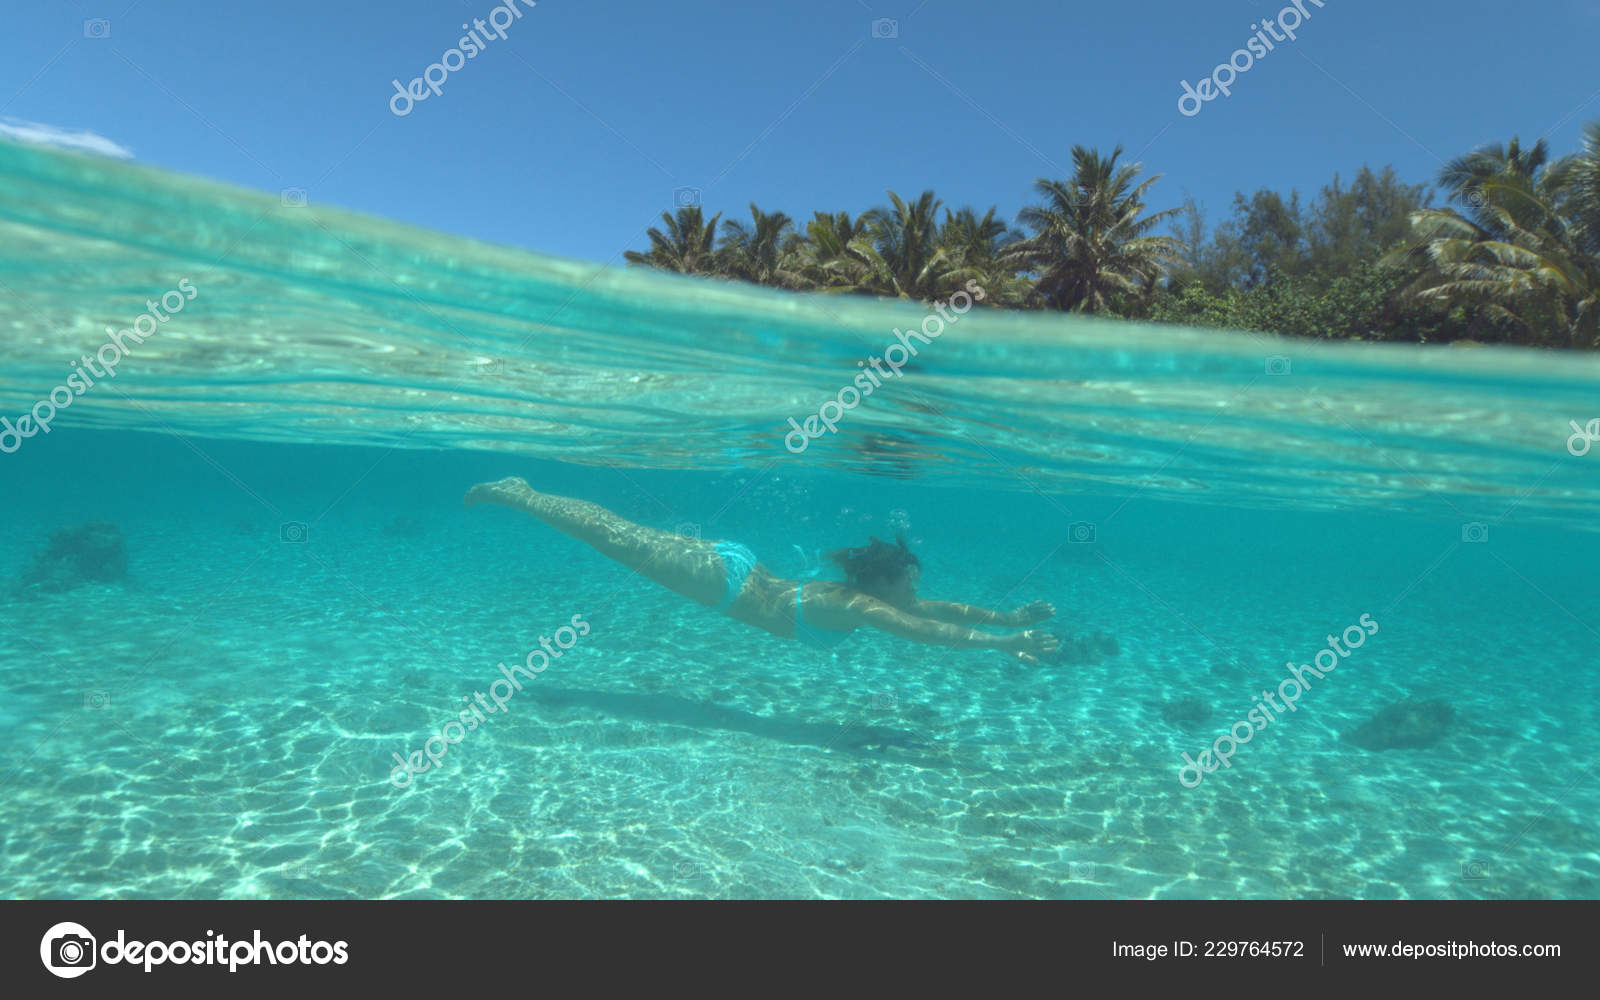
(686, 566)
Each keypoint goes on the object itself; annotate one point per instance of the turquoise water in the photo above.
(306, 597)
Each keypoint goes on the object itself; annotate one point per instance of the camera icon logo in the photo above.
(1080, 532)
(68, 950)
(885, 701)
(885, 27)
(685, 197)
(97, 27)
(293, 197)
(294, 531)
(1474, 870)
(493, 366)
(97, 699)
(1278, 364)
(688, 529)
(1082, 871)
(1474, 531)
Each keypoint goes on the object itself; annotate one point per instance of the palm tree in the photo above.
(1577, 179)
(900, 252)
(968, 239)
(687, 247)
(1091, 247)
(1521, 252)
(762, 252)
(973, 246)
(824, 259)
(1466, 177)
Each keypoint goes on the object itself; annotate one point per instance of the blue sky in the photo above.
(571, 134)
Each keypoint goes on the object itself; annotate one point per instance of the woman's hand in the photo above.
(1033, 614)
(1031, 644)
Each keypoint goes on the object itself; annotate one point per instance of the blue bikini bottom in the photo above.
(737, 562)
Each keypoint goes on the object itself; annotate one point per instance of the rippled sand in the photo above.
(247, 695)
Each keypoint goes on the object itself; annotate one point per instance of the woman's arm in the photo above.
(971, 614)
(1026, 646)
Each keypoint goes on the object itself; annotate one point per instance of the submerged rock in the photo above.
(85, 553)
(1405, 725)
(1080, 650)
(1186, 713)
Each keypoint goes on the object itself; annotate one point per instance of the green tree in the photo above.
(1577, 183)
(826, 258)
(1508, 253)
(1091, 247)
(1266, 236)
(688, 246)
(762, 252)
(1355, 225)
(900, 253)
(1190, 261)
(973, 246)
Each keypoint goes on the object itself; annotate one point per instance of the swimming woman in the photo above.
(880, 590)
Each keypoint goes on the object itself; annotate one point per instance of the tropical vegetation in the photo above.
(1511, 255)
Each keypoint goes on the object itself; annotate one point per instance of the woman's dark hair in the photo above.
(876, 562)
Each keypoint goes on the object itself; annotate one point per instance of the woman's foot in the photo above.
(503, 492)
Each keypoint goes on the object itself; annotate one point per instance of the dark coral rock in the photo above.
(1405, 725)
(1080, 650)
(1186, 713)
(85, 553)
